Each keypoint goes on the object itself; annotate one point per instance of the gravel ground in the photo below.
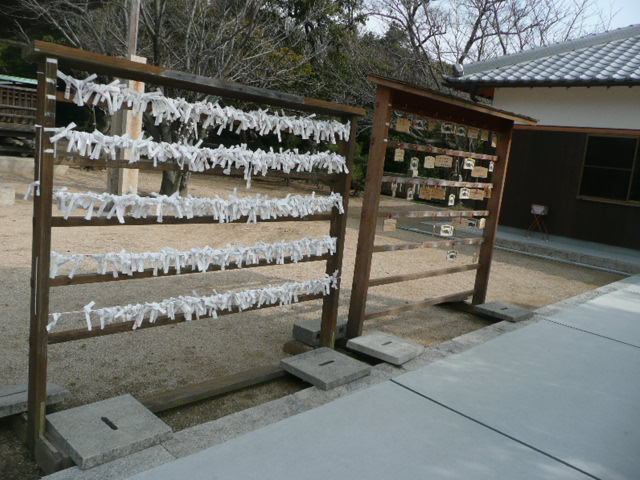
(144, 362)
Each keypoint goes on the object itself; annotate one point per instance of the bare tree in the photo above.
(246, 41)
(473, 30)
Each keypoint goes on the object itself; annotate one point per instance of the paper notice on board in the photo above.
(476, 194)
(389, 225)
(403, 125)
(443, 161)
(429, 162)
(398, 155)
(480, 172)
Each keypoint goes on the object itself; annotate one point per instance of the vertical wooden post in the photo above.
(338, 229)
(369, 217)
(121, 181)
(41, 251)
(491, 227)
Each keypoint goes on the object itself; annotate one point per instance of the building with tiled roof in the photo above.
(583, 158)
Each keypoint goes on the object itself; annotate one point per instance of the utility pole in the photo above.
(124, 180)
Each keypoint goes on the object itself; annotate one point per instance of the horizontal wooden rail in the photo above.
(82, 278)
(83, 333)
(429, 244)
(437, 182)
(416, 276)
(453, 297)
(211, 388)
(235, 172)
(156, 75)
(168, 220)
(17, 107)
(442, 151)
(435, 214)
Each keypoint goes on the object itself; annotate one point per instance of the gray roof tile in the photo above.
(608, 58)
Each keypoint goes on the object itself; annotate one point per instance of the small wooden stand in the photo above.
(393, 95)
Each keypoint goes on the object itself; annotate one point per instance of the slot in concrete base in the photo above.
(308, 331)
(13, 398)
(325, 368)
(503, 311)
(103, 431)
(385, 347)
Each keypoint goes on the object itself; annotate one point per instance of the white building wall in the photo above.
(596, 107)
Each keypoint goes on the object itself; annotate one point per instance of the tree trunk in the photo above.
(174, 181)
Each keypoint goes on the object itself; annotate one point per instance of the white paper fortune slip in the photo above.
(469, 163)
(446, 127)
(410, 193)
(398, 155)
(446, 230)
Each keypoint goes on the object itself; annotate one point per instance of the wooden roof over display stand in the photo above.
(446, 107)
(153, 74)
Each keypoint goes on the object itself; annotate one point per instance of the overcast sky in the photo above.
(628, 12)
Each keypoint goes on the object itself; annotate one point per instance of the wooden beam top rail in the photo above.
(441, 151)
(428, 244)
(422, 94)
(375, 282)
(74, 161)
(82, 333)
(153, 74)
(211, 388)
(79, 221)
(434, 214)
(83, 278)
(438, 182)
(454, 297)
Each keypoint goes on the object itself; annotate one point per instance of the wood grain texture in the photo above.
(82, 333)
(211, 388)
(374, 282)
(442, 151)
(454, 297)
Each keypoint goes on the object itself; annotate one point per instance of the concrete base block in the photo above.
(103, 431)
(388, 348)
(325, 368)
(13, 398)
(308, 331)
(7, 195)
(504, 311)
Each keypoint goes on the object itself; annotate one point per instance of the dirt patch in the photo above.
(144, 362)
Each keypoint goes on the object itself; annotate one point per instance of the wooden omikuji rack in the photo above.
(49, 57)
(393, 95)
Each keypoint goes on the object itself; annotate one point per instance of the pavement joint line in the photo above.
(590, 333)
(542, 452)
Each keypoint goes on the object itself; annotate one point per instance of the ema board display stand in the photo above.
(457, 117)
(99, 210)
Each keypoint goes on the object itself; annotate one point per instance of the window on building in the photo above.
(611, 169)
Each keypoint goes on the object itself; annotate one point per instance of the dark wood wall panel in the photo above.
(545, 168)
